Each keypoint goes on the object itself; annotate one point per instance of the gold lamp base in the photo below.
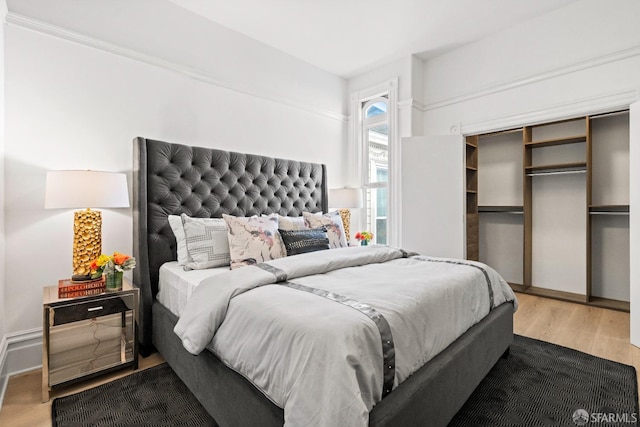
(87, 240)
(345, 214)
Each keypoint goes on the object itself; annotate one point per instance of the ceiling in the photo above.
(347, 37)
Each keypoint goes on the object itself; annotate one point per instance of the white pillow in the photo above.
(253, 240)
(291, 223)
(207, 243)
(333, 223)
(176, 226)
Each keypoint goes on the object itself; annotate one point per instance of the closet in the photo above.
(547, 206)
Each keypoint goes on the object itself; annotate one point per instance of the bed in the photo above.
(175, 179)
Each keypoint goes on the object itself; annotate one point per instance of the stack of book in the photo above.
(70, 289)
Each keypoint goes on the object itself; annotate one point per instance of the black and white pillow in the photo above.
(306, 240)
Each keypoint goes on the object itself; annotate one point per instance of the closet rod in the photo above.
(608, 213)
(555, 173)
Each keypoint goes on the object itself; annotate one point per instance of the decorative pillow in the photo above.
(333, 223)
(176, 226)
(306, 240)
(253, 240)
(291, 223)
(207, 242)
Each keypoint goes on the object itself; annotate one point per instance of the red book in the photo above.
(65, 286)
(82, 293)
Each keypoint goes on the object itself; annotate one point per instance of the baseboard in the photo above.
(611, 304)
(19, 352)
(4, 379)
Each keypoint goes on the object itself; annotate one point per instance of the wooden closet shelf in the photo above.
(556, 141)
(582, 146)
(500, 209)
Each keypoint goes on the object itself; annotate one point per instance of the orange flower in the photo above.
(119, 258)
(94, 265)
(364, 235)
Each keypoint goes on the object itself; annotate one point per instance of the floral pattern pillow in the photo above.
(253, 240)
(333, 223)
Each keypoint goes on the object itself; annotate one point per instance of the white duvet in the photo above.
(321, 360)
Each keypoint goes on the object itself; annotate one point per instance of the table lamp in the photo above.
(345, 199)
(69, 189)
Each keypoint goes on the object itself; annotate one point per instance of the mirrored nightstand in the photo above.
(87, 336)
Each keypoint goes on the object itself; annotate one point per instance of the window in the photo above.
(375, 132)
(374, 150)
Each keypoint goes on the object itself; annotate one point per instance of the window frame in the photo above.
(370, 166)
(361, 100)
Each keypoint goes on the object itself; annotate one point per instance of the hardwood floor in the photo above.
(597, 331)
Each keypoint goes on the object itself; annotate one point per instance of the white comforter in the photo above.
(318, 359)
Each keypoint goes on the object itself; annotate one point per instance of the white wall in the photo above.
(581, 59)
(580, 56)
(2, 185)
(70, 105)
(176, 37)
(634, 223)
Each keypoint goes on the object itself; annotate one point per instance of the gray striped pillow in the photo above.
(207, 242)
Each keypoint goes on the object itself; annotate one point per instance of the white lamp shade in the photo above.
(345, 198)
(72, 189)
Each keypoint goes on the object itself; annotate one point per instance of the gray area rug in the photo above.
(542, 384)
(152, 397)
(537, 384)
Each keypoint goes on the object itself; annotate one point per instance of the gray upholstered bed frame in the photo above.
(203, 182)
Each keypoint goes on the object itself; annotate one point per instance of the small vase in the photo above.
(113, 281)
(363, 243)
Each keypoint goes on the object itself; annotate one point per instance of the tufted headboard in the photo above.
(171, 179)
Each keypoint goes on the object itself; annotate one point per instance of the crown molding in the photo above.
(535, 78)
(26, 22)
(586, 106)
(411, 103)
